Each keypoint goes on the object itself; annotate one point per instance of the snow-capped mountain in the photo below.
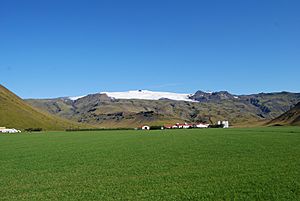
(129, 109)
(145, 95)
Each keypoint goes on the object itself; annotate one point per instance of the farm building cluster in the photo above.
(186, 125)
(9, 130)
(220, 124)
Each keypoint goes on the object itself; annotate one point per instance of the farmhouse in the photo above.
(186, 125)
(9, 130)
(178, 125)
(175, 126)
(201, 125)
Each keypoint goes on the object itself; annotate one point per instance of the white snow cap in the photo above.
(75, 97)
(145, 95)
(149, 95)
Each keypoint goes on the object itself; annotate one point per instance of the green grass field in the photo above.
(208, 164)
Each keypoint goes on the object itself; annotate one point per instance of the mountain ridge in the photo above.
(100, 109)
(291, 117)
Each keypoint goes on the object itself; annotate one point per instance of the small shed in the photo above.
(2, 128)
(145, 127)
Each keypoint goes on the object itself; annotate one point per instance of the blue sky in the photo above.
(55, 48)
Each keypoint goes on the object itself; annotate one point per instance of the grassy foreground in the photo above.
(210, 164)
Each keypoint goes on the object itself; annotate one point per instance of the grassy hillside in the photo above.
(200, 164)
(291, 117)
(16, 113)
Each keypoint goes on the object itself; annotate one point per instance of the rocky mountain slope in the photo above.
(291, 117)
(101, 109)
(16, 113)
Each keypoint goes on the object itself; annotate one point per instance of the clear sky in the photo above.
(52, 48)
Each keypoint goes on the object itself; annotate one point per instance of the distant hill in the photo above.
(291, 117)
(16, 113)
(128, 109)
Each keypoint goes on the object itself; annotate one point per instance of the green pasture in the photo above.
(198, 164)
